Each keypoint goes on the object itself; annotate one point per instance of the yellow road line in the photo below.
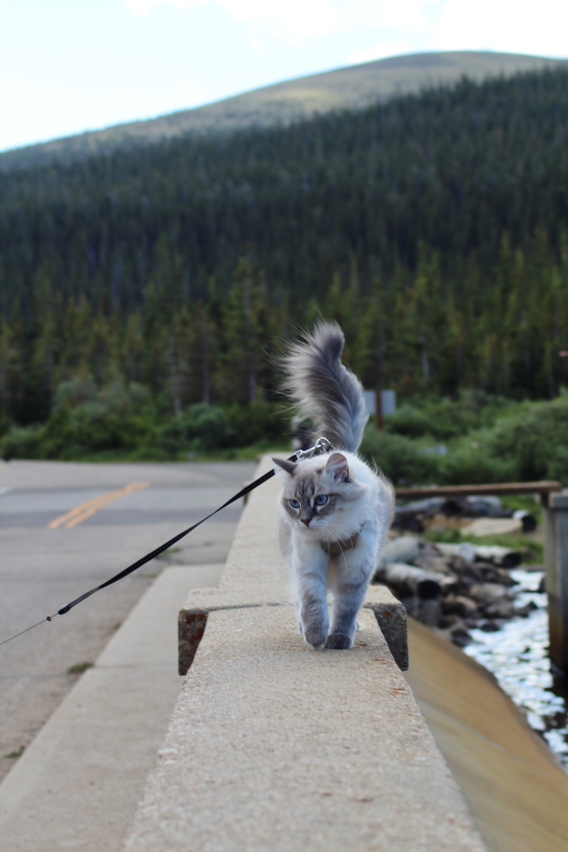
(85, 510)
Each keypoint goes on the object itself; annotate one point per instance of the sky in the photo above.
(72, 65)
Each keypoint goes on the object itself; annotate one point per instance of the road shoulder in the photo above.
(84, 774)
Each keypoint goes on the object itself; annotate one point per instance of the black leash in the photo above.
(322, 445)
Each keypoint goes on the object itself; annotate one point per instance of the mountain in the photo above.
(353, 87)
(432, 227)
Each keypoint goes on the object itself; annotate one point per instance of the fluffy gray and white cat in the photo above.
(334, 510)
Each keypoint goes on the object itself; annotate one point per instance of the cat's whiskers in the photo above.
(338, 543)
(331, 540)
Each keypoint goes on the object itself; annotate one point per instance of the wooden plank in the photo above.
(498, 489)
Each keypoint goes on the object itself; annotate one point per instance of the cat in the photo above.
(334, 511)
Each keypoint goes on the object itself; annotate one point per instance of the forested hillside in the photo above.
(352, 87)
(433, 227)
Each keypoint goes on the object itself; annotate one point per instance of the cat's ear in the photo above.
(337, 466)
(284, 468)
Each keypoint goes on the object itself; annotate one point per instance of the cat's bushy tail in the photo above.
(323, 389)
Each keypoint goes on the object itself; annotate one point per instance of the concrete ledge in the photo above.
(274, 746)
(192, 620)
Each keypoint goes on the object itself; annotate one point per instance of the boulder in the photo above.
(404, 549)
(489, 593)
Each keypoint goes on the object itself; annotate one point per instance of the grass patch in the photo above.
(14, 755)
(169, 552)
(79, 668)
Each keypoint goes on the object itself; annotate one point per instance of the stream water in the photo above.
(518, 657)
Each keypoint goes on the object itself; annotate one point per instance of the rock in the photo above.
(411, 605)
(492, 574)
(527, 519)
(525, 610)
(404, 549)
(489, 626)
(501, 609)
(467, 574)
(488, 593)
(407, 579)
(503, 556)
(483, 506)
(460, 636)
(449, 621)
(532, 568)
(493, 526)
(459, 605)
(407, 523)
(466, 550)
(409, 517)
(431, 559)
(434, 564)
(445, 590)
(429, 612)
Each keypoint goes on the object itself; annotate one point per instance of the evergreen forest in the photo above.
(157, 281)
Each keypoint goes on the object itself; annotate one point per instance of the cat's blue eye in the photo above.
(295, 504)
(321, 499)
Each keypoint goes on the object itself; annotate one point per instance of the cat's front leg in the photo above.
(311, 578)
(349, 592)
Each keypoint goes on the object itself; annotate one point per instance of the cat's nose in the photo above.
(306, 521)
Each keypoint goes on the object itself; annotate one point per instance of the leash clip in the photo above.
(322, 445)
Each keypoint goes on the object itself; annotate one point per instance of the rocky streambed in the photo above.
(454, 587)
(484, 601)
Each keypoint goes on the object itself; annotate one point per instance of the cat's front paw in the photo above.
(314, 637)
(338, 642)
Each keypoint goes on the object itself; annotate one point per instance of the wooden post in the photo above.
(378, 409)
(555, 529)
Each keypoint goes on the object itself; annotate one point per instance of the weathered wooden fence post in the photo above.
(555, 529)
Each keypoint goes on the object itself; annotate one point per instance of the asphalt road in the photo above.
(50, 554)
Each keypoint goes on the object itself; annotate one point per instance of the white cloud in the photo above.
(293, 21)
(520, 27)
(408, 25)
(191, 90)
(140, 7)
(381, 51)
(300, 20)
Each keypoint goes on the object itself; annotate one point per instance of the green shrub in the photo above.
(201, 428)
(91, 428)
(469, 466)
(534, 440)
(399, 458)
(409, 421)
(259, 423)
(197, 428)
(22, 442)
(447, 418)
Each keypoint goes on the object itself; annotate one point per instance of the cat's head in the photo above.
(317, 492)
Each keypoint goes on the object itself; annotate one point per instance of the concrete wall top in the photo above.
(274, 746)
